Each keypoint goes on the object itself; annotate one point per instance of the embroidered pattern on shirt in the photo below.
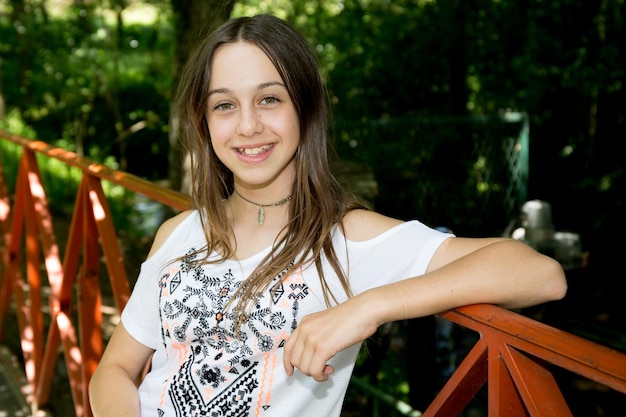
(218, 373)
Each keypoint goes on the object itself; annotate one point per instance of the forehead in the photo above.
(239, 64)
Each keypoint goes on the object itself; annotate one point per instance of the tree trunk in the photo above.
(23, 47)
(193, 20)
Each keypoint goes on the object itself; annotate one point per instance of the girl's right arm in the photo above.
(113, 387)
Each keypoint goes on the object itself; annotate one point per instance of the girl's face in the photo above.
(253, 123)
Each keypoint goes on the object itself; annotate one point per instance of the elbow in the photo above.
(556, 282)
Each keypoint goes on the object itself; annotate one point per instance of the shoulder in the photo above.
(166, 229)
(360, 225)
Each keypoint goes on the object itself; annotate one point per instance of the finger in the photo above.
(317, 364)
(324, 375)
(304, 361)
(328, 370)
(288, 354)
(289, 368)
(301, 355)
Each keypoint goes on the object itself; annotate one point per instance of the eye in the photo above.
(223, 106)
(270, 100)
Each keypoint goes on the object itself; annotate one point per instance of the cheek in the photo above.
(218, 133)
(288, 126)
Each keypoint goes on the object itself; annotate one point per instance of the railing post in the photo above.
(5, 284)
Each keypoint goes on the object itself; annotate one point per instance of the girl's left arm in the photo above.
(500, 271)
(463, 271)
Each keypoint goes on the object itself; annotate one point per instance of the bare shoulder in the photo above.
(360, 225)
(166, 229)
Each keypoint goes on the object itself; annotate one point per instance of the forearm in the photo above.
(462, 272)
(505, 273)
(113, 393)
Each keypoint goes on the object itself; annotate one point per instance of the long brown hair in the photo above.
(318, 201)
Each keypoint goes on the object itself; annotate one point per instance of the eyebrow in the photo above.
(259, 87)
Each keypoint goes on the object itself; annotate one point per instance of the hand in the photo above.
(320, 336)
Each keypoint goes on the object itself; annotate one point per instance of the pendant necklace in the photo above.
(261, 214)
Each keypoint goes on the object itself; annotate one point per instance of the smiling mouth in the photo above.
(254, 151)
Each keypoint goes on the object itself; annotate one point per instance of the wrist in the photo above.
(380, 305)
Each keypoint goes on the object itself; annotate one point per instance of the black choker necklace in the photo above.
(261, 215)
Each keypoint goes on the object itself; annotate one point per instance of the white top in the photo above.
(200, 367)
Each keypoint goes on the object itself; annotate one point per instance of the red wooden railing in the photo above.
(27, 233)
(514, 356)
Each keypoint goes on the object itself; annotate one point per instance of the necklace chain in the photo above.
(261, 214)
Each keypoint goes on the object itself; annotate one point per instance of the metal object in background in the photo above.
(534, 226)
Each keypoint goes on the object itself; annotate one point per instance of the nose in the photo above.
(249, 121)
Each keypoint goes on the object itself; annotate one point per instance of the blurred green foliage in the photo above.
(96, 78)
(87, 85)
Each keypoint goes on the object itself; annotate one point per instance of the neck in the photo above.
(262, 206)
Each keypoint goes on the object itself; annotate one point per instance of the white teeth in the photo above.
(254, 151)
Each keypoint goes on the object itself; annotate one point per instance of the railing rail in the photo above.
(513, 356)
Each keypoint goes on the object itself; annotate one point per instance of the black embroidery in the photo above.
(218, 377)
